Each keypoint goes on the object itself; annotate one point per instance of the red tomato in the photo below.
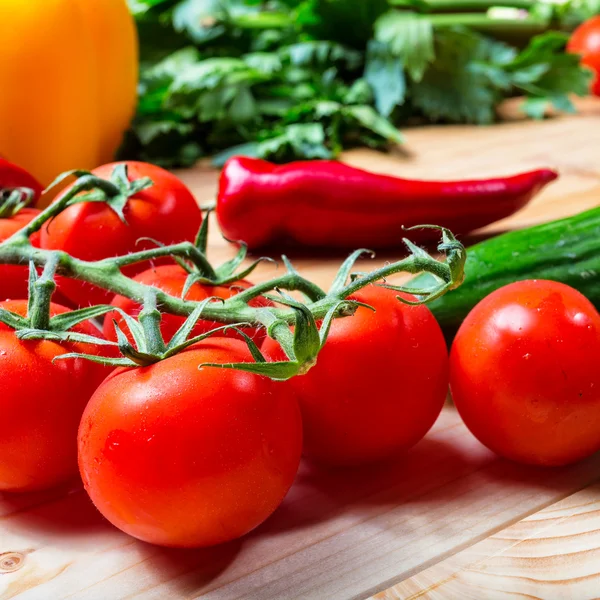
(166, 212)
(12, 176)
(524, 373)
(379, 383)
(585, 40)
(41, 403)
(171, 279)
(14, 278)
(181, 456)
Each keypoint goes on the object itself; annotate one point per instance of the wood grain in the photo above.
(552, 554)
(337, 535)
(425, 520)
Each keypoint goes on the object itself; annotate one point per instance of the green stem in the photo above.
(411, 264)
(150, 318)
(83, 184)
(482, 22)
(107, 275)
(290, 282)
(41, 295)
(477, 5)
(294, 325)
(278, 330)
(183, 249)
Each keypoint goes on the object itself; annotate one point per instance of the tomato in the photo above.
(41, 403)
(12, 176)
(166, 212)
(585, 40)
(14, 278)
(180, 456)
(171, 279)
(524, 373)
(379, 383)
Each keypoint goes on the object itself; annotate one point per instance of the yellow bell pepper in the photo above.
(69, 74)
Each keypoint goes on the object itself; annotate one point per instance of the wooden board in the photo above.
(449, 520)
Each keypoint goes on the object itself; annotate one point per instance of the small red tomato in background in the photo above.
(379, 383)
(12, 176)
(524, 373)
(171, 279)
(166, 212)
(180, 456)
(14, 278)
(585, 40)
(41, 403)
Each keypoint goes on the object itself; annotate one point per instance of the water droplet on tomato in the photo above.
(582, 319)
(113, 441)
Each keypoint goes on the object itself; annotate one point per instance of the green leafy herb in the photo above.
(288, 79)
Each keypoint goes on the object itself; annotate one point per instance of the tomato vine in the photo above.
(292, 323)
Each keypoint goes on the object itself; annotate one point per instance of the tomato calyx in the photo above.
(194, 261)
(148, 345)
(115, 192)
(13, 200)
(89, 188)
(201, 271)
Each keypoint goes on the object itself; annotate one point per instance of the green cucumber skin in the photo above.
(566, 250)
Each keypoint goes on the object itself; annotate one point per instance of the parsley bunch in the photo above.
(302, 79)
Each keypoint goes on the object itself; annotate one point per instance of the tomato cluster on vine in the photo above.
(187, 412)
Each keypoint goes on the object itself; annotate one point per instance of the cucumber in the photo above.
(566, 250)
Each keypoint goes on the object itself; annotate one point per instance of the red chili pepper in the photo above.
(12, 176)
(330, 204)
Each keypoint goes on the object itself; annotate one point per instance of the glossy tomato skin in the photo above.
(585, 40)
(14, 278)
(41, 403)
(180, 456)
(524, 373)
(166, 212)
(171, 279)
(379, 383)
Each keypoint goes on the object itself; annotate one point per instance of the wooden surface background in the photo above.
(449, 520)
